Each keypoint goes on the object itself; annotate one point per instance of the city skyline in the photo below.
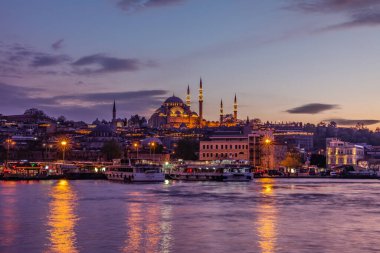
(286, 60)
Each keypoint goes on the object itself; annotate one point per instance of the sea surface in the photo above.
(265, 215)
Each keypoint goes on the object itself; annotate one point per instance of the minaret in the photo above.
(114, 111)
(235, 108)
(188, 98)
(200, 103)
(221, 112)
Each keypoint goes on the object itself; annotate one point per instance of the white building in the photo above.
(343, 153)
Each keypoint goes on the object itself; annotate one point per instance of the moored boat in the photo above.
(138, 172)
(237, 173)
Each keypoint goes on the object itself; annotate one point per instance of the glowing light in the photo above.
(62, 218)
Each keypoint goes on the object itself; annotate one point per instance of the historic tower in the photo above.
(114, 111)
(235, 108)
(200, 102)
(188, 98)
(221, 112)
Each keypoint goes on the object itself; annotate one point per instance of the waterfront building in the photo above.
(265, 152)
(343, 153)
(227, 145)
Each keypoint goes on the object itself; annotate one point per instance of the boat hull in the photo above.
(136, 177)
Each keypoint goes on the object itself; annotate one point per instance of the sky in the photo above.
(286, 60)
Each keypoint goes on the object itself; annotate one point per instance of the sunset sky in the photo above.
(308, 60)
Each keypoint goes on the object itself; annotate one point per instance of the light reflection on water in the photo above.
(267, 218)
(266, 215)
(8, 221)
(62, 218)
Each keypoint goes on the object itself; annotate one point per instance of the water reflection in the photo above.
(8, 223)
(166, 228)
(267, 217)
(148, 225)
(135, 230)
(62, 218)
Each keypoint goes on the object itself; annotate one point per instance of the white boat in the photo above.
(214, 171)
(196, 172)
(237, 173)
(135, 173)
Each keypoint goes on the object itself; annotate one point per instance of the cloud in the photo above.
(135, 5)
(58, 44)
(323, 6)
(99, 63)
(352, 122)
(19, 60)
(312, 108)
(49, 60)
(358, 12)
(88, 106)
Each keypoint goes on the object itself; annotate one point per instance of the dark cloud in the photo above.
(18, 60)
(313, 108)
(58, 44)
(16, 99)
(353, 122)
(332, 5)
(358, 12)
(135, 5)
(49, 60)
(99, 63)
(110, 96)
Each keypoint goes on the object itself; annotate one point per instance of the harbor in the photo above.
(137, 170)
(265, 215)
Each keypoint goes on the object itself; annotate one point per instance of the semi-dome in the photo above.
(173, 99)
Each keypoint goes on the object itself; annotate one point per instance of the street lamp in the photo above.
(63, 144)
(153, 145)
(267, 142)
(136, 145)
(9, 142)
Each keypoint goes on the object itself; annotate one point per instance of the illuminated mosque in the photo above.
(174, 113)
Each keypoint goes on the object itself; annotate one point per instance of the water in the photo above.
(266, 215)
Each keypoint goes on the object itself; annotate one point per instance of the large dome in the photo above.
(173, 99)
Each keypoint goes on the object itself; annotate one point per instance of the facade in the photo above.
(343, 153)
(295, 139)
(264, 151)
(224, 148)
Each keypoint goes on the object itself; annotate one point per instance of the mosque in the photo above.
(174, 113)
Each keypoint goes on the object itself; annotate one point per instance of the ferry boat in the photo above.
(214, 171)
(196, 172)
(138, 172)
(237, 173)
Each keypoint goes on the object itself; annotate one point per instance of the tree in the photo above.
(187, 149)
(61, 119)
(292, 160)
(35, 113)
(111, 150)
(318, 160)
